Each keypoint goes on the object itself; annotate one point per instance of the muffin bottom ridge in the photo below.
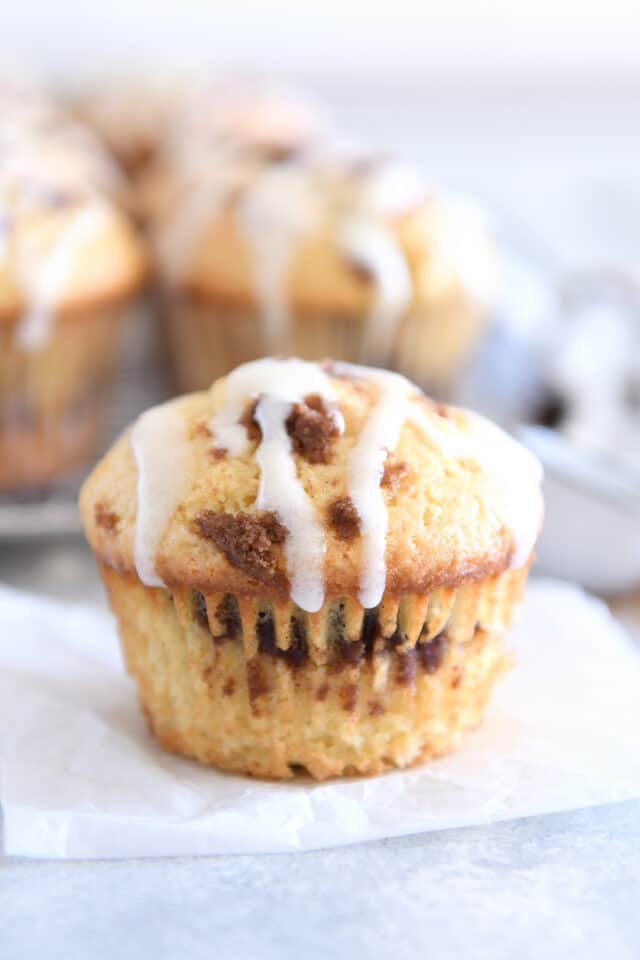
(431, 344)
(255, 689)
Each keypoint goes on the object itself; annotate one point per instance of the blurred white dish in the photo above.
(592, 515)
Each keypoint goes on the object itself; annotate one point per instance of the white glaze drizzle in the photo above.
(281, 492)
(276, 212)
(278, 384)
(161, 452)
(461, 241)
(510, 475)
(46, 283)
(391, 188)
(175, 241)
(510, 480)
(374, 247)
(365, 467)
(388, 189)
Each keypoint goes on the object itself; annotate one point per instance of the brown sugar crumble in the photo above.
(200, 429)
(311, 428)
(343, 518)
(247, 540)
(394, 472)
(218, 453)
(249, 422)
(108, 519)
(280, 152)
(443, 410)
(360, 270)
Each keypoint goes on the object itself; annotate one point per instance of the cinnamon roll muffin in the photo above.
(313, 566)
(287, 243)
(70, 263)
(214, 133)
(129, 114)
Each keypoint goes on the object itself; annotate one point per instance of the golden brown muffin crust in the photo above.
(441, 529)
(321, 275)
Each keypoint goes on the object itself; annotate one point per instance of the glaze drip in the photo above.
(378, 437)
(281, 492)
(373, 247)
(276, 213)
(46, 282)
(278, 385)
(460, 230)
(53, 174)
(161, 451)
(509, 473)
(176, 241)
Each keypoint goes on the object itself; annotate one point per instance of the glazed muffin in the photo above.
(213, 130)
(129, 114)
(70, 264)
(308, 247)
(313, 566)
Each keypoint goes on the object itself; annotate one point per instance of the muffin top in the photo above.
(305, 482)
(314, 226)
(64, 242)
(130, 113)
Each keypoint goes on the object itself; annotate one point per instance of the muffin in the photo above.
(307, 246)
(70, 264)
(128, 115)
(313, 566)
(216, 136)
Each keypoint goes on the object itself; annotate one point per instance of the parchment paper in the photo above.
(81, 777)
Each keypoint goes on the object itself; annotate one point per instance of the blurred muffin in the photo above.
(270, 238)
(313, 566)
(130, 115)
(218, 135)
(70, 263)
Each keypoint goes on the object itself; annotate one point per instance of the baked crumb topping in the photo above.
(247, 540)
(106, 518)
(311, 428)
(394, 472)
(343, 518)
(200, 429)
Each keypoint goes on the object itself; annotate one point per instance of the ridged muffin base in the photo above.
(251, 688)
(206, 340)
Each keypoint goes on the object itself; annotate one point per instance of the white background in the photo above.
(459, 42)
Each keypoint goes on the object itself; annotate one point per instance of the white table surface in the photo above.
(565, 885)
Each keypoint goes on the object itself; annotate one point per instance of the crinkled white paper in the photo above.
(81, 777)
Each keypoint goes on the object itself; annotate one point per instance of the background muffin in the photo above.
(272, 237)
(130, 115)
(69, 264)
(313, 566)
